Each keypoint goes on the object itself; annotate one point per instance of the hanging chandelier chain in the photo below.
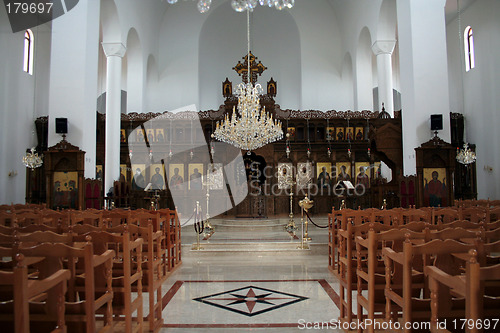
(241, 5)
(251, 127)
(249, 75)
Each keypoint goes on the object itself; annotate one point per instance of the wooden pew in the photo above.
(153, 276)
(144, 218)
(414, 215)
(26, 218)
(444, 215)
(408, 298)
(22, 290)
(7, 218)
(115, 217)
(126, 274)
(347, 261)
(371, 273)
(172, 244)
(479, 306)
(86, 217)
(28, 229)
(474, 214)
(92, 292)
(55, 218)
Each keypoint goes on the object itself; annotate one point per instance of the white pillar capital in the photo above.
(114, 49)
(383, 47)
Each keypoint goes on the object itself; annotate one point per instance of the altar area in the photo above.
(263, 236)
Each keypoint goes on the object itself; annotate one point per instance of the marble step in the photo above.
(250, 236)
(249, 225)
(247, 222)
(253, 248)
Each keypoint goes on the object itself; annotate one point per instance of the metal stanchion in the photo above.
(198, 226)
(291, 227)
(208, 226)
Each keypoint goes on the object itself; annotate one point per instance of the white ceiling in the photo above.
(450, 7)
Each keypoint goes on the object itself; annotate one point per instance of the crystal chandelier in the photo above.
(251, 127)
(32, 160)
(465, 155)
(241, 5)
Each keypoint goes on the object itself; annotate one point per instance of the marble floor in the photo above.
(249, 291)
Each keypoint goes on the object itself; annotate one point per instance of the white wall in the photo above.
(73, 78)
(134, 73)
(177, 59)
(322, 56)
(363, 78)
(23, 97)
(479, 99)
(424, 73)
(305, 59)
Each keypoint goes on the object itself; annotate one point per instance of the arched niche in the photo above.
(135, 72)
(275, 40)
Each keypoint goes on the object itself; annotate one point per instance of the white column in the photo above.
(383, 50)
(114, 54)
(424, 73)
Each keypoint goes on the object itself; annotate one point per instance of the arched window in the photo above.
(29, 43)
(469, 49)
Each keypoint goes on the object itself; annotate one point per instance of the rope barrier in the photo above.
(309, 218)
(189, 219)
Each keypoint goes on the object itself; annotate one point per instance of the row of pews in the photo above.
(430, 266)
(85, 271)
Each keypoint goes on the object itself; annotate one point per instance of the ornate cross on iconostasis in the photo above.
(255, 68)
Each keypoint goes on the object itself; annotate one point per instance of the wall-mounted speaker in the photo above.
(436, 122)
(61, 125)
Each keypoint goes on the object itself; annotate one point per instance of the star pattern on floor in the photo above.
(251, 300)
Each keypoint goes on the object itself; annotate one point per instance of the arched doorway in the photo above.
(254, 206)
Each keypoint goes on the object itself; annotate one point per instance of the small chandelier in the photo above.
(32, 160)
(241, 5)
(251, 127)
(465, 155)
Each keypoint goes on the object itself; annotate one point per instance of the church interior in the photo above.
(249, 165)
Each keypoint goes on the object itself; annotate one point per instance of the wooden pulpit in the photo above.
(64, 172)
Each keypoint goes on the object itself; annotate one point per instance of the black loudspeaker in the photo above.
(61, 125)
(436, 122)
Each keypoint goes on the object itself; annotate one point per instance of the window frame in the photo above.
(29, 48)
(469, 54)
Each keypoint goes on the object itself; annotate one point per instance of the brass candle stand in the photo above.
(342, 205)
(305, 204)
(384, 205)
(155, 198)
